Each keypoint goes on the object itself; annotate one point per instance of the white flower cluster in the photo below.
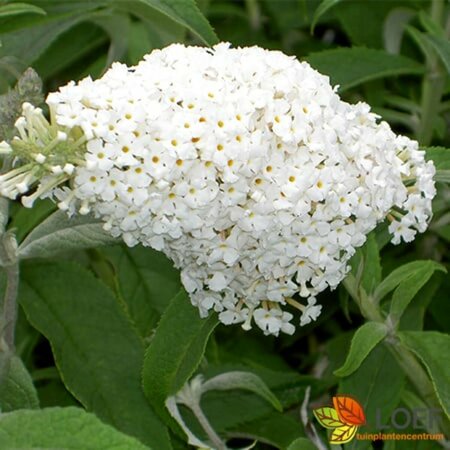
(244, 167)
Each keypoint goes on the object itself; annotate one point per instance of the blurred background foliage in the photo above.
(393, 54)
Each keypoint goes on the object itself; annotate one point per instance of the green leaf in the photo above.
(147, 282)
(24, 220)
(362, 25)
(242, 380)
(184, 12)
(275, 429)
(302, 444)
(324, 6)
(69, 428)
(370, 272)
(364, 340)
(377, 385)
(175, 351)
(71, 51)
(442, 176)
(414, 316)
(394, 28)
(96, 349)
(414, 402)
(110, 23)
(399, 275)
(16, 388)
(60, 233)
(286, 384)
(159, 28)
(442, 47)
(20, 8)
(408, 288)
(30, 38)
(419, 39)
(433, 349)
(439, 155)
(140, 42)
(367, 64)
(431, 26)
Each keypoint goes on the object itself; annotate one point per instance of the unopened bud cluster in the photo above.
(242, 165)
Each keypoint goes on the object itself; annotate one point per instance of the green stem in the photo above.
(8, 257)
(433, 83)
(9, 316)
(254, 13)
(408, 362)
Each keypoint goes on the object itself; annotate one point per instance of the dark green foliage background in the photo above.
(104, 327)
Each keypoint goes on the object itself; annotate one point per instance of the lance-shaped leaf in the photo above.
(442, 47)
(184, 12)
(242, 380)
(30, 37)
(432, 348)
(399, 275)
(328, 417)
(377, 385)
(60, 233)
(321, 10)
(96, 348)
(343, 434)
(408, 288)
(364, 340)
(61, 428)
(20, 8)
(147, 282)
(367, 65)
(439, 155)
(175, 351)
(349, 410)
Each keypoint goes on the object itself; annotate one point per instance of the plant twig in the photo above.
(310, 429)
(10, 304)
(254, 13)
(8, 256)
(207, 428)
(433, 84)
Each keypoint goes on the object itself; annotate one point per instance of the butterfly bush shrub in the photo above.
(178, 182)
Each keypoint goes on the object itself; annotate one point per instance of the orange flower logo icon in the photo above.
(344, 419)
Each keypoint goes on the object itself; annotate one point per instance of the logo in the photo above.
(344, 419)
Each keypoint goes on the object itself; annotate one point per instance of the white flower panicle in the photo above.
(242, 165)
